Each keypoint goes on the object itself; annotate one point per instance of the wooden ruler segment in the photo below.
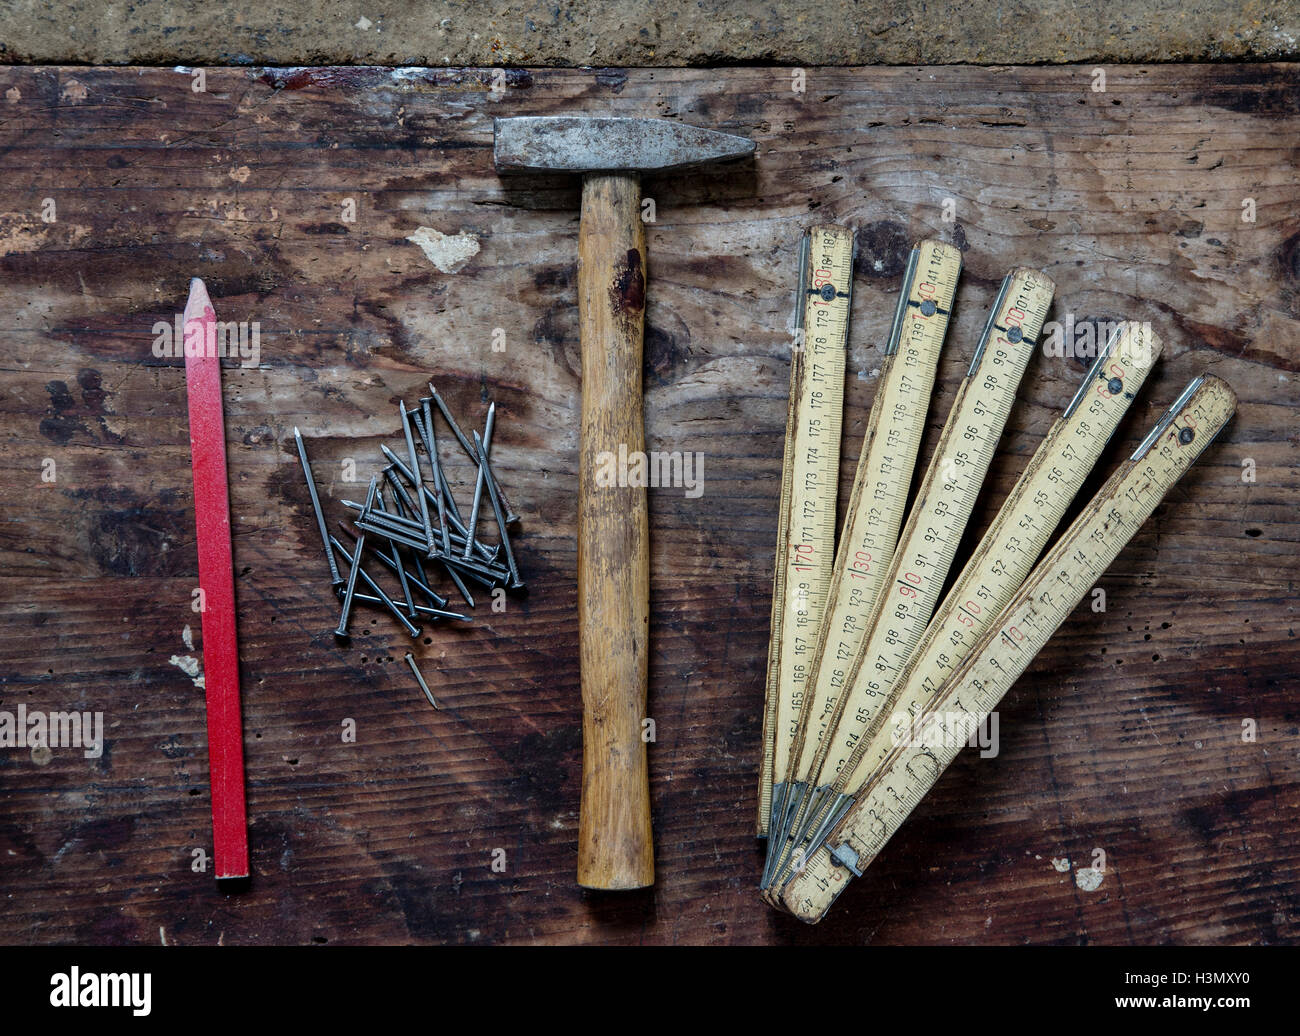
(772, 687)
(1053, 590)
(880, 487)
(1014, 541)
(809, 486)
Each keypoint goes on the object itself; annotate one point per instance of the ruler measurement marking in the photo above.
(772, 685)
(813, 476)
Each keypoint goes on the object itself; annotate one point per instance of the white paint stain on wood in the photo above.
(448, 252)
(189, 665)
(1088, 878)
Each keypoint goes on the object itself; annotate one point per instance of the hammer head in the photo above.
(577, 144)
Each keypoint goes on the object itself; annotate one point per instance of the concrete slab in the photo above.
(646, 32)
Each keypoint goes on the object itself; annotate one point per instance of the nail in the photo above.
(431, 442)
(424, 424)
(414, 540)
(444, 614)
(390, 473)
(460, 585)
(478, 482)
(412, 534)
(451, 423)
(397, 521)
(516, 583)
(441, 491)
(336, 580)
(415, 467)
(433, 613)
(485, 574)
(341, 631)
(410, 660)
(460, 437)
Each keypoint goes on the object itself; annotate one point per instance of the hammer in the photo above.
(615, 844)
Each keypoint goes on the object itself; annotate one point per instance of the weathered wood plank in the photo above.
(1125, 735)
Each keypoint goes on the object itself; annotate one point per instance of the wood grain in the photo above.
(1125, 735)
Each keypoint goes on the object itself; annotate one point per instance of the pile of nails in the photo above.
(407, 534)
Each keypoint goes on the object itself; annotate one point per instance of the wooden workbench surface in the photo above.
(1125, 736)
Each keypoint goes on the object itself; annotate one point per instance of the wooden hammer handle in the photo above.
(615, 844)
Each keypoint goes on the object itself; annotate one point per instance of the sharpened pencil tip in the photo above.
(198, 303)
(199, 292)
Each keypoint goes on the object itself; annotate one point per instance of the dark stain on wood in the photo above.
(627, 292)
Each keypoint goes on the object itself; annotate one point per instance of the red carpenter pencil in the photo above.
(216, 582)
